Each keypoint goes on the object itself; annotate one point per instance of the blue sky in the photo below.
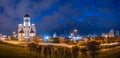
(60, 16)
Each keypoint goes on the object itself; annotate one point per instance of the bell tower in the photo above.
(27, 25)
(26, 20)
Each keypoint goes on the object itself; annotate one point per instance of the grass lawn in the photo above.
(110, 53)
(13, 52)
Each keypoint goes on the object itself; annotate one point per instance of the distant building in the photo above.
(111, 33)
(103, 34)
(4, 37)
(54, 35)
(26, 30)
(14, 34)
(117, 33)
(0, 37)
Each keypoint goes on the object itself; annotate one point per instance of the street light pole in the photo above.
(75, 34)
(75, 31)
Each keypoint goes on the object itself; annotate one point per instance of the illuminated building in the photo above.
(54, 35)
(104, 35)
(111, 33)
(0, 37)
(26, 30)
(117, 33)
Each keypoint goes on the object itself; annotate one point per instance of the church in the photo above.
(26, 30)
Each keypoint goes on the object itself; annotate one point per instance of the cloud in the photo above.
(52, 15)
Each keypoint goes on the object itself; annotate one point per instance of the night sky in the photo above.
(61, 16)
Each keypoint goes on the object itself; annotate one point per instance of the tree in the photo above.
(69, 41)
(117, 39)
(39, 50)
(45, 51)
(32, 47)
(75, 51)
(93, 48)
(60, 51)
(37, 39)
(54, 40)
(83, 52)
(68, 53)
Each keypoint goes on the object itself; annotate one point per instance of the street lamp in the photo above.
(72, 34)
(75, 31)
(75, 34)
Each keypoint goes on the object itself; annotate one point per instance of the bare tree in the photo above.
(39, 50)
(32, 47)
(36, 39)
(83, 52)
(75, 51)
(93, 48)
(60, 51)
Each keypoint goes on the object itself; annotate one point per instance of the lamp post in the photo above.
(72, 34)
(75, 31)
(75, 34)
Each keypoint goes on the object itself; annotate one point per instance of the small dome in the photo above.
(31, 31)
(21, 31)
(26, 15)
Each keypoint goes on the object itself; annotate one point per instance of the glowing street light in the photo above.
(75, 30)
(72, 34)
(47, 37)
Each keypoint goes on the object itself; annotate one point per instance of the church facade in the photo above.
(26, 30)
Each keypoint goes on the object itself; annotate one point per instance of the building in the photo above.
(26, 30)
(117, 33)
(111, 33)
(0, 37)
(3, 37)
(54, 35)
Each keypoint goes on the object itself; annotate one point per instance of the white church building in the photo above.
(26, 30)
